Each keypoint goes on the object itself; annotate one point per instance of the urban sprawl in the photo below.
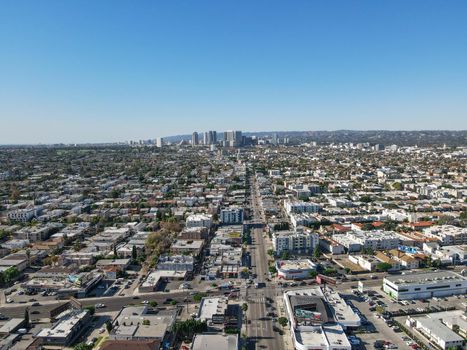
(228, 242)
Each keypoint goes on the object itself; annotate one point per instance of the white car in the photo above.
(145, 302)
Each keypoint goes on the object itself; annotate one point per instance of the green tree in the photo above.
(312, 274)
(153, 303)
(329, 271)
(285, 255)
(272, 269)
(134, 253)
(108, 326)
(187, 329)
(244, 307)
(368, 251)
(198, 296)
(317, 252)
(379, 309)
(82, 346)
(10, 274)
(383, 266)
(271, 252)
(368, 226)
(91, 309)
(26, 317)
(366, 199)
(283, 321)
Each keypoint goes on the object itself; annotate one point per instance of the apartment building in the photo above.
(297, 207)
(199, 220)
(231, 216)
(298, 242)
(447, 234)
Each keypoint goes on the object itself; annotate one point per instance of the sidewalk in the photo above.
(287, 338)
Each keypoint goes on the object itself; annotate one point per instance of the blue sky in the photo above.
(90, 71)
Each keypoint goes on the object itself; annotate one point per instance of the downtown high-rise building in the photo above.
(210, 137)
(195, 139)
(159, 142)
(233, 138)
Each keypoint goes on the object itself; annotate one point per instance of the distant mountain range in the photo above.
(401, 138)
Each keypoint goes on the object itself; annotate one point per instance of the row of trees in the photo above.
(185, 330)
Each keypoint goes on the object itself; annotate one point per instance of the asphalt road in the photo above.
(111, 303)
(260, 329)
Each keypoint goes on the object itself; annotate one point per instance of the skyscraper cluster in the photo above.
(232, 138)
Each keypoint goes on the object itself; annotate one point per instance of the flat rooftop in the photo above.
(211, 306)
(215, 341)
(64, 327)
(431, 277)
(300, 264)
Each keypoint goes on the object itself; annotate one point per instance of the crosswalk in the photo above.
(259, 299)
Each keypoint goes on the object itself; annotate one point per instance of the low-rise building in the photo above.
(318, 319)
(447, 234)
(374, 240)
(424, 285)
(438, 328)
(295, 269)
(118, 264)
(199, 220)
(136, 323)
(155, 278)
(215, 342)
(66, 330)
(176, 263)
(184, 246)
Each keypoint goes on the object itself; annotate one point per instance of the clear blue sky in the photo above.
(89, 71)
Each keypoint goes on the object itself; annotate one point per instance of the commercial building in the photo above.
(318, 318)
(155, 278)
(215, 342)
(187, 246)
(231, 216)
(176, 263)
(294, 269)
(425, 285)
(298, 242)
(210, 137)
(159, 142)
(438, 328)
(136, 323)
(195, 139)
(66, 330)
(233, 138)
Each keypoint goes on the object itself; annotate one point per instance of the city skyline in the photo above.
(79, 72)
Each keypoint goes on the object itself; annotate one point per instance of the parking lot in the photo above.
(381, 328)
